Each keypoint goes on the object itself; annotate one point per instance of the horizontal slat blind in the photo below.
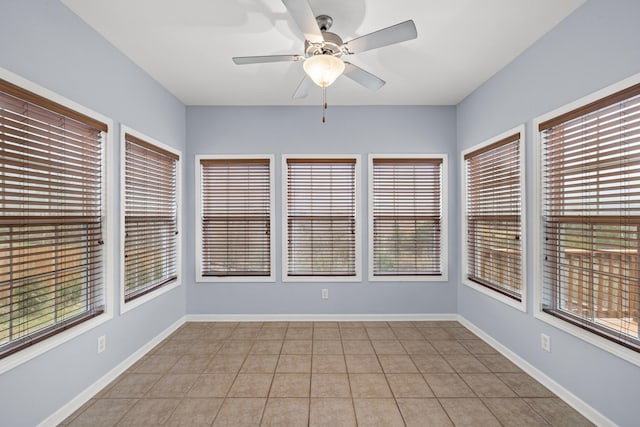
(321, 209)
(51, 270)
(494, 211)
(236, 217)
(591, 216)
(151, 224)
(407, 216)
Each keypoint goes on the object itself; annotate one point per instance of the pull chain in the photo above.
(324, 103)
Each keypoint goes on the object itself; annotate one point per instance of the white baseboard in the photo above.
(571, 399)
(73, 405)
(318, 317)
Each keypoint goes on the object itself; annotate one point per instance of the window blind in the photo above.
(493, 215)
(151, 223)
(321, 217)
(236, 217)
(51, 215)
(591, 216)
(407, 213)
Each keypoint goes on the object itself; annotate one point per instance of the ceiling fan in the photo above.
(323, 50)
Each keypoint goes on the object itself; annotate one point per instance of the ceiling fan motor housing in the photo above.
(332, 45)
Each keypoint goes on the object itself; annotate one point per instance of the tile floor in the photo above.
(325, 374)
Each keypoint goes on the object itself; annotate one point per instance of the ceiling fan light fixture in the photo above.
(323, 69)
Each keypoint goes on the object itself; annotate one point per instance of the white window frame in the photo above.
(444, 222)
(285, 214)
(126, 306)
(198, 220)
(519, 305)
(109, 194)
(602, 343)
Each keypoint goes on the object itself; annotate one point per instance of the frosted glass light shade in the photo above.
(323, 69)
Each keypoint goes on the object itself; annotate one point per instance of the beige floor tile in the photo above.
(170, 348)
(240, 413)
(397, 364)
(204, 348)
(375, 324)
(132, 385)
(418, 347)
(381, 334)
(349, 325)
(326, 324)
(276, 325)
(487, 385)
(266, 347)
(195, 412)
(431, 364)
(326, 334)
(297, 347)
(524, 386)
(423, 412)
(302, 333)
(149, 412)
(466, 363)
(290, 385)
(294, 363)
(220, 333)
(244, 334)
(155, 364)
(448, 385)
(461, 333)
(556, 412)
(363, 364)
(408, 385)
(478, 346)
(212, 385)
(498, 363)
(377, 413)
(235, 347)
(259, 364)
(330, 385)
(251, 385)
(325, 412)
(103, 412)
(514, 412)
(191, 364)
(469, 412)
(449, 347)
(388, 347)
(172, 385)
(332, 364)
(293, 325)
(324, 347)
(435, 334)
(369, 386)
(272, 334)
(354, 334)
(225, 364)
(357, 347)
(408, 333)
(286, 412)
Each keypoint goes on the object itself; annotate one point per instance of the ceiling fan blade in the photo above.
(242, 60)
(301, 12)
(303, 88)
(363, 77)
(395, 34)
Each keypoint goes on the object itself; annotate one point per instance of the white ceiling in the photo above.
(187, 45)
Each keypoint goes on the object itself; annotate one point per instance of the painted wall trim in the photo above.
(319, 317)
(571, 399)
(74, 404)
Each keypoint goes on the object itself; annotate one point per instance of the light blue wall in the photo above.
(594, 47)
(298, 130)
(41, 40)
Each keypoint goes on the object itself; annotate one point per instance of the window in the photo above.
(406, 218)
(150, 202)
(493, 216)
(235, 200)
(591, 216)
(321, 228)
(51, 218)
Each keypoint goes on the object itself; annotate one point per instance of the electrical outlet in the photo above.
(102, 343)
(545, 342)
(325, 294)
